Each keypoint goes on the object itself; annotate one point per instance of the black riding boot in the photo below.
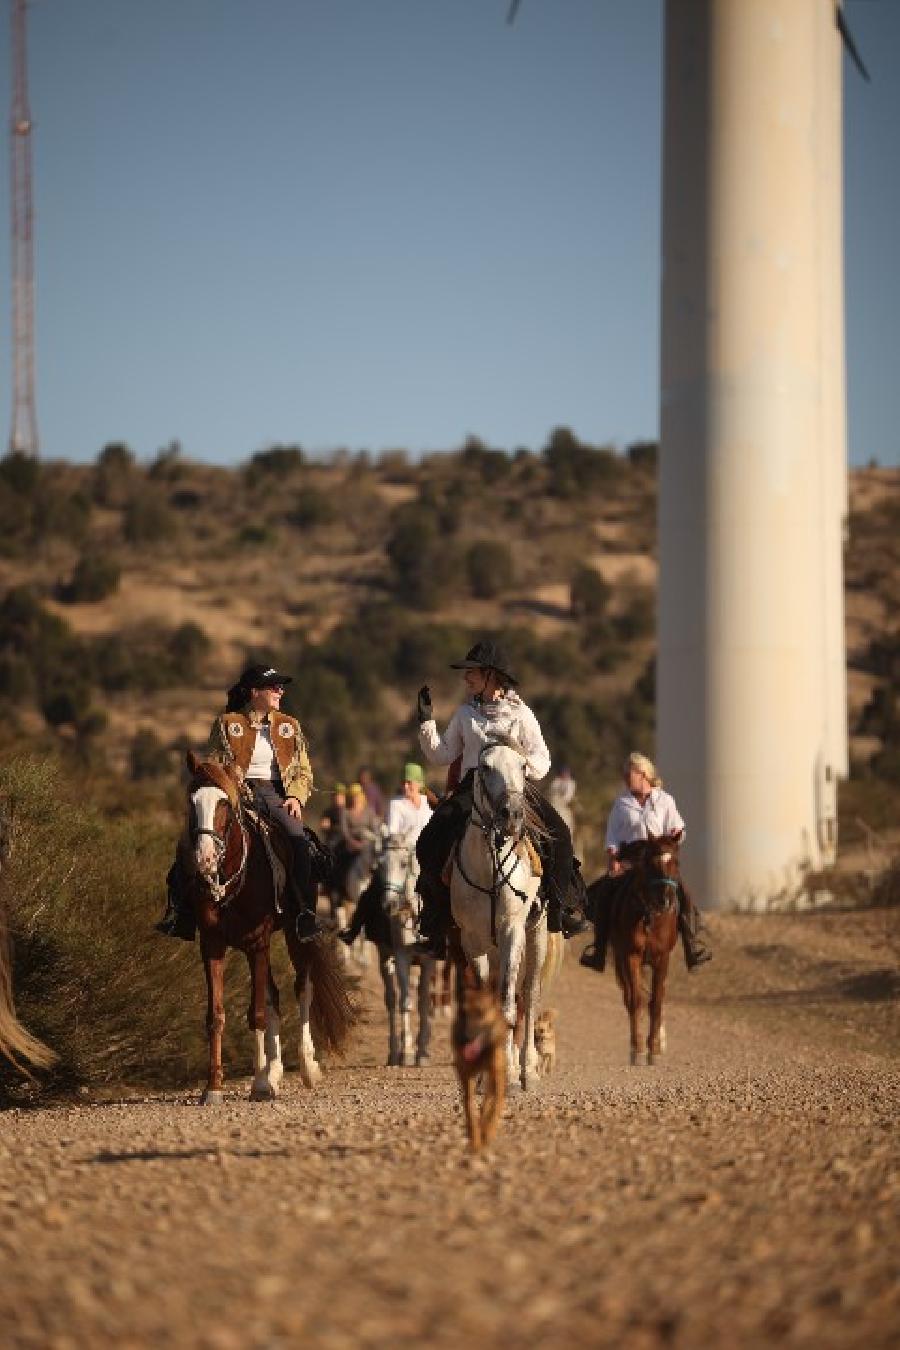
(179, 919)
(573, 918)
(601, 909)
(434, 920)
(690, 926)
(301, 895)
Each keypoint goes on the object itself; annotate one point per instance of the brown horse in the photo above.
(233, 888)
(643, 929)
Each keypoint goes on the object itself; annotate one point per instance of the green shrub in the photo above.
(168, 466)
(575, 468)
(187, 650)
(255, 536)
(312, 507)
(148, 757)
(425, 566)
(588, 593)
(64, 514)
(491, 466)
(114, 474)
(147, 519)
(273, 464)
(21, 473)
(489, 566)
(95, 577)
(644, 455)
(638, 618)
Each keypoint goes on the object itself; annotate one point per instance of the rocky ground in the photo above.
(745, 1193)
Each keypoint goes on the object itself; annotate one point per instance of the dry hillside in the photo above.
(130, 596)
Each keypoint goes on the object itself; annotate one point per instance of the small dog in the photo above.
(545, 1040)
(479, 1048)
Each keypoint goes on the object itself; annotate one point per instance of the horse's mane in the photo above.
(640, 849)
(209, 773)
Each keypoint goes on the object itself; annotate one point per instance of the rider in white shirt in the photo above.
(644, 810)
(492, 711)
(408, 814)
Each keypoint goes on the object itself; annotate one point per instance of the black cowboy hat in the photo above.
(263, 677)
(254, 677)
(486, 655)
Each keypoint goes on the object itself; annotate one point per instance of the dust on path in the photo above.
(746, 1193)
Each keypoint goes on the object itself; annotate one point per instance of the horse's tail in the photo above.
(553, 961)
(16, 1044)
(335, 1011)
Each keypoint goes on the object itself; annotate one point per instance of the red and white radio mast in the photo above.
(23, 436)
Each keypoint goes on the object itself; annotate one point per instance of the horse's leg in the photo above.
(426, 1012)
(310, 1072)
(656, 1037)
(274, 1066)
(535, 955)
(258, 961)
(214, 970)
(404, 980)
(447, 988)
(387, 965)
(511, 948)
(634, 997)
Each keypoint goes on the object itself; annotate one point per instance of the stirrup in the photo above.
(698, 957)
(308, 926)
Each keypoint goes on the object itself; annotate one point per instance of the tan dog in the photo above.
(479, 1048)
(545, 1040)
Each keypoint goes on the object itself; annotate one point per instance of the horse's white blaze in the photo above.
(205, 800)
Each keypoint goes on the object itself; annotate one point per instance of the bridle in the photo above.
(503, 865)
(222, 889)
(397, 902)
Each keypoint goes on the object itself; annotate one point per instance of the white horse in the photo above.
(493, 897)
(402, 904)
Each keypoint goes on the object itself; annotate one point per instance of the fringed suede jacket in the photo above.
(233, 737)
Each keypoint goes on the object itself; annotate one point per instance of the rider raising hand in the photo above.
(493, 710)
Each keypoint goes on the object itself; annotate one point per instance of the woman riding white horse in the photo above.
(388, 912)
(493, 711)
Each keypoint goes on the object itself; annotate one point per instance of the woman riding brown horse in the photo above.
(234, 873)
(643, 930)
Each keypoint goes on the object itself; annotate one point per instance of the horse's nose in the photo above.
(205, 856)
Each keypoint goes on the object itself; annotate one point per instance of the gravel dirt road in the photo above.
(745, 1193)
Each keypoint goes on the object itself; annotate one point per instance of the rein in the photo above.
(499, 876)
(223, 890)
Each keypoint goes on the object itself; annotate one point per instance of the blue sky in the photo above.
(383, 223)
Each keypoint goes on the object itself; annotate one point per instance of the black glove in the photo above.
(424, 710)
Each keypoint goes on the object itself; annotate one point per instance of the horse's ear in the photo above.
(192, 762)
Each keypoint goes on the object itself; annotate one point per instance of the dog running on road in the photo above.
(479, 1052)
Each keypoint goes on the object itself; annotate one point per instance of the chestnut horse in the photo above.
(234, 895)
(643, 930)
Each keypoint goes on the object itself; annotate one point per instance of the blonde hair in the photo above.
(644, 766)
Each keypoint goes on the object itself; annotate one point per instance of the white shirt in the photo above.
(628, 820)
(405, 821)
(473, 725)
(262, 761)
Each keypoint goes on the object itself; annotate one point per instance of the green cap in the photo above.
(412, 773)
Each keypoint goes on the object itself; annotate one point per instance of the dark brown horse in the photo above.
(643, 930)
(234, 895)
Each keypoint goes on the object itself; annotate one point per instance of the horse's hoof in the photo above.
(310, 1073)
(531, 1080)
(639, 1059)
(653, 1057)
(423, 1061)
(409, 1059)
(261, 1092)
(212, 1097)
